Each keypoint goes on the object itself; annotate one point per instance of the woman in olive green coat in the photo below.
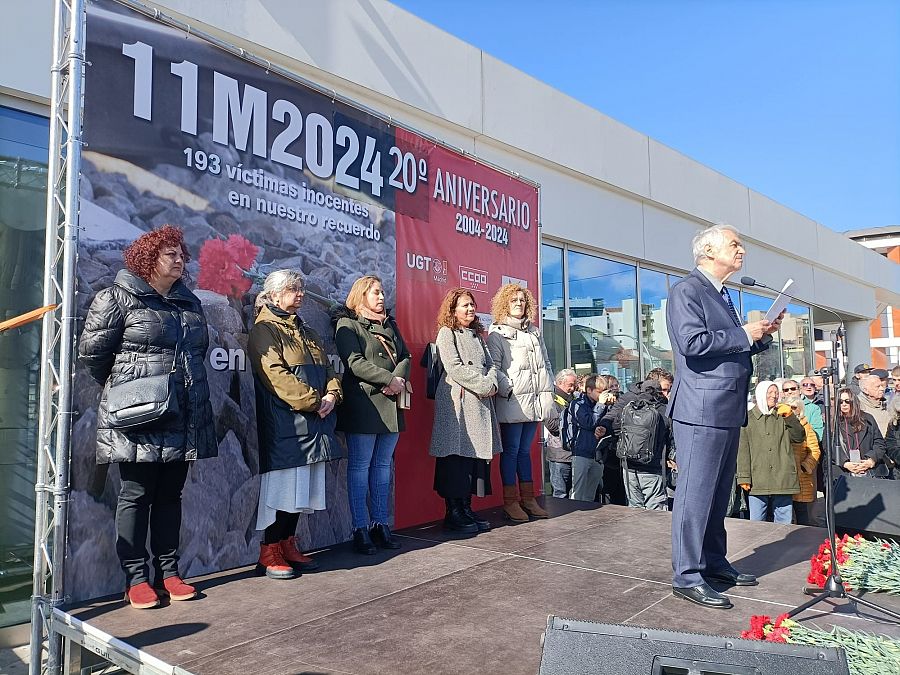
(765, 461)
(376, 369)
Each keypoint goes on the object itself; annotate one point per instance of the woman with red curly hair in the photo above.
(148, 323)
(525, 396)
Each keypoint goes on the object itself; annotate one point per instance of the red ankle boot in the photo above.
(294, 557)
(272, 562)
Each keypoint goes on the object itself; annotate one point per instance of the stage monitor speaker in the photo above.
(585, 648)
(867, 505)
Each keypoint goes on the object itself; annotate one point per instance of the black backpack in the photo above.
(641, 422)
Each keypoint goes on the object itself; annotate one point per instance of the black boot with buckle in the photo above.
(481, 523)
(456, 519)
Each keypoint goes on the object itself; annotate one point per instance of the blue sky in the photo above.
(798, 99)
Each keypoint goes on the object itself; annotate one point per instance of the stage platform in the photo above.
(449, 605)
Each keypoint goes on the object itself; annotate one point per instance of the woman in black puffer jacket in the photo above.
(131, 332)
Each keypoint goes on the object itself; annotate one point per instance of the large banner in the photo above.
(262, 174)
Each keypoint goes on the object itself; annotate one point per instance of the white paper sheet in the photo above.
(780, 303)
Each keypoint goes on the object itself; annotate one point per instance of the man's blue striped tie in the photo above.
(727, 298)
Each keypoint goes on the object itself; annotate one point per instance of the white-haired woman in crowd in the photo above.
(296, 393)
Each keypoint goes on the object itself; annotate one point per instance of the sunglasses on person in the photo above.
(790, 389)
(808, 385)
(846, 400)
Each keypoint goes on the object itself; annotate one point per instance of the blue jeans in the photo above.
(369, 460)
(561, 478)
(516, 458)
(781, 506)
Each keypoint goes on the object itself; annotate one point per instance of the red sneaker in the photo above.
(294, 557)
(142, 596)
(175, 589)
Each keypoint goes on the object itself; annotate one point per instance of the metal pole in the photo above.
(41, 568)
(57, 340)
(61, 487)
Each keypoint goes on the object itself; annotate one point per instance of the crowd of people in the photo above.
(145, 341)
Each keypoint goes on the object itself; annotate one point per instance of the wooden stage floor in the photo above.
(446, 605)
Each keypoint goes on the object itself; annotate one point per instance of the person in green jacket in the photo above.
(376, 369)
(765, 463)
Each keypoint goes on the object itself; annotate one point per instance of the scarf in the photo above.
(367, 313)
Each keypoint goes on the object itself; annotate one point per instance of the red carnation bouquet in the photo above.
(866, 565)
(867, 653)
(225, 265)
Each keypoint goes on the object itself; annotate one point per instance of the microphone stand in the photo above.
(834, 586)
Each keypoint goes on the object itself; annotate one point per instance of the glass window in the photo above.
(23, 184)
(553, 311)
(603, 317)
(767, 364)
(796, 341)
(655, 346)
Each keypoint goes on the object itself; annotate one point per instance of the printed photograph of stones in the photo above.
(121, 201)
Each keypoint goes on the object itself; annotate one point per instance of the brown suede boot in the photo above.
(528, 503)
(511, 506)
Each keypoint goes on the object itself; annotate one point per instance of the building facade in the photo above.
(618, 209)
(885, 328)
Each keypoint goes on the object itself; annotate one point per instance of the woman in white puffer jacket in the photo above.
(525, 394)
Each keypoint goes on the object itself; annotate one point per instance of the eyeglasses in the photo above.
(845, 400)
(808, 385)
(790, 389)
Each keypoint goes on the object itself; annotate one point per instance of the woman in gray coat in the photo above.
(465, 435)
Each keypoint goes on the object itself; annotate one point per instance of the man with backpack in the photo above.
(581, 435)
(645, 444)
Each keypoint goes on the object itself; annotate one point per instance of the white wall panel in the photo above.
(836, 251)
(686, 185)
(839, 293)
(576, 209)
(773, 269)
(373, 43)
(526, 113)
(26, 33)
(667, 238)
(781, 227)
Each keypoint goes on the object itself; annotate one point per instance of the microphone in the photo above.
(750, 281)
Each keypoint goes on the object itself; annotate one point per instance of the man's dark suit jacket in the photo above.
(712, 356)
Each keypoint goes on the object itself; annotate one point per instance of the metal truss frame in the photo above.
(58, 335)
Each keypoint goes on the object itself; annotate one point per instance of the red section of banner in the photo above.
(477, 230)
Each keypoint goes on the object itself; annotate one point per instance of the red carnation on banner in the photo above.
(223, 264)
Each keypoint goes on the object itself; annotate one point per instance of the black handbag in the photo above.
(144, 401)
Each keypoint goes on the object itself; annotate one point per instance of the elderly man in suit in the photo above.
(708, 407)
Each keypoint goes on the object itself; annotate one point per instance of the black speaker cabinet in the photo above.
(585, 648)
(867, 505)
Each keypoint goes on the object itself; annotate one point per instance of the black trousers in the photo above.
(150, 497)
(285, 526)
(457, 477)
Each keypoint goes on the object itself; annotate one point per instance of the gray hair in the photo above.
(712, 236)
(866, 382)
(278, 281)
(563, 374)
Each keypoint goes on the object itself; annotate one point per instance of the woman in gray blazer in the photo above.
(465, 435)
